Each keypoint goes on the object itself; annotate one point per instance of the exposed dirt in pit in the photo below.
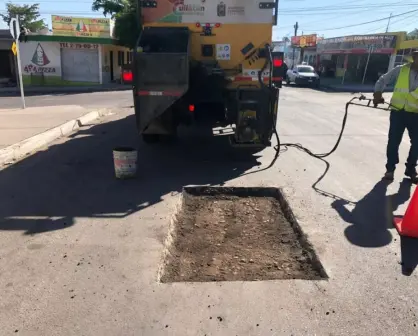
(230, 238)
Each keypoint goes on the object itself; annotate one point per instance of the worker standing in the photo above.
(404, 115)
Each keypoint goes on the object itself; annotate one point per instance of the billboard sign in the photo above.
(205, 11)
(358, 44)
(78, 26)
(304, 41)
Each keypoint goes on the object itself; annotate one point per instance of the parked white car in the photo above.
(303, 75)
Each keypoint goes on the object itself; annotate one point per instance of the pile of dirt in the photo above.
(230, 238)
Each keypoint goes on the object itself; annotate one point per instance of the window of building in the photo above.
(340, 61)
(121, 55)
(129, 57)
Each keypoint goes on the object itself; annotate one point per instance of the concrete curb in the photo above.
(27, 147)
(64, 90)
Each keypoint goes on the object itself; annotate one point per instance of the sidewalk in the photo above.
(334, 84)
(64, 89)
(24, 131)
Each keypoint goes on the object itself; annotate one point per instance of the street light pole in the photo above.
(296, 26)
(387, 27)
(15, 32)
(371, 49)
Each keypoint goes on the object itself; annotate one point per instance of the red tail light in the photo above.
(191, 108)
(217, 25)
(198, 25)
(127, 76)
(277, 62)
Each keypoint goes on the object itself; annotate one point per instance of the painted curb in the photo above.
(52, 90)
(27, 147)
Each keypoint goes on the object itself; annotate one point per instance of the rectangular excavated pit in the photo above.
(237, 234)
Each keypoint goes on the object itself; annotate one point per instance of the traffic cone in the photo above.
(408, 224)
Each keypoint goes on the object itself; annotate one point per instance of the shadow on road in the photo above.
(50, 189)
(409, 246)
(372, 216)
(409, 255)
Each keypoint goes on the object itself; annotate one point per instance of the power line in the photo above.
(283, 10)
(344, 7)
(52, 12)
(368, 22)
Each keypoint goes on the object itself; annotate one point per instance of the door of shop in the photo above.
(80, 65)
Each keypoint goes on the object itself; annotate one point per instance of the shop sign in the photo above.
(304, 41)
(79, 26)
(236, 10)
(89, 46)
(39, 62)
(358, 44)
(188, 9)
(205, 11)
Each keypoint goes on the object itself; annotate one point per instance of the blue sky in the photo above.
(320, 16)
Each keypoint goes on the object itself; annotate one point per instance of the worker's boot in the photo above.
(389, 175)
(412, 174)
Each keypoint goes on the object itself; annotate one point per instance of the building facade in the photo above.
(302, 50)
(404, 50)
(359, 58)
(80, 51)
(7, 59)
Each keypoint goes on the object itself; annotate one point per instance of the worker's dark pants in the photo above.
(399, 120)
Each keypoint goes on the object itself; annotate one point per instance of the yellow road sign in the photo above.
(14, 48)
(303, 41)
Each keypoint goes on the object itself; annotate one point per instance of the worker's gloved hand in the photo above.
(377, 98)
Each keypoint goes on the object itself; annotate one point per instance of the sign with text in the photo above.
(214, 11)
(223, 52)
(89, 46)
(358, 44)
(79, 26)
(304, 41)
(41, 58)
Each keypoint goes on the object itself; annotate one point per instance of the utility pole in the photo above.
(387, 27)
(15, 32)
(371, 50)
(296, 26)
(139, 13)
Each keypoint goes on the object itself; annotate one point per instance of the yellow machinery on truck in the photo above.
(207, 60)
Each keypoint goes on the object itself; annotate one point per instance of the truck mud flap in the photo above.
(161, 75)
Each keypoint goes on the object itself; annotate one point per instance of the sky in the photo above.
(324, 17)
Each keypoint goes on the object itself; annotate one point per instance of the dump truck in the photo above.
(207, 61)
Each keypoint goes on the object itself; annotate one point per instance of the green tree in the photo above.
(28, 16)
(125, 14)
(413, 35)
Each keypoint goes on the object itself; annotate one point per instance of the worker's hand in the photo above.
(377, 98)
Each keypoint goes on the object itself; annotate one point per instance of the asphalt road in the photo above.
(80, 252)
(96, 99)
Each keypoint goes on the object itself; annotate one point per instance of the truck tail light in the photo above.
(278, 68)
(191, 108)
(127, 76)
(277, 62)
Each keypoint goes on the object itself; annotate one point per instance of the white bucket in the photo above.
(125, 161)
